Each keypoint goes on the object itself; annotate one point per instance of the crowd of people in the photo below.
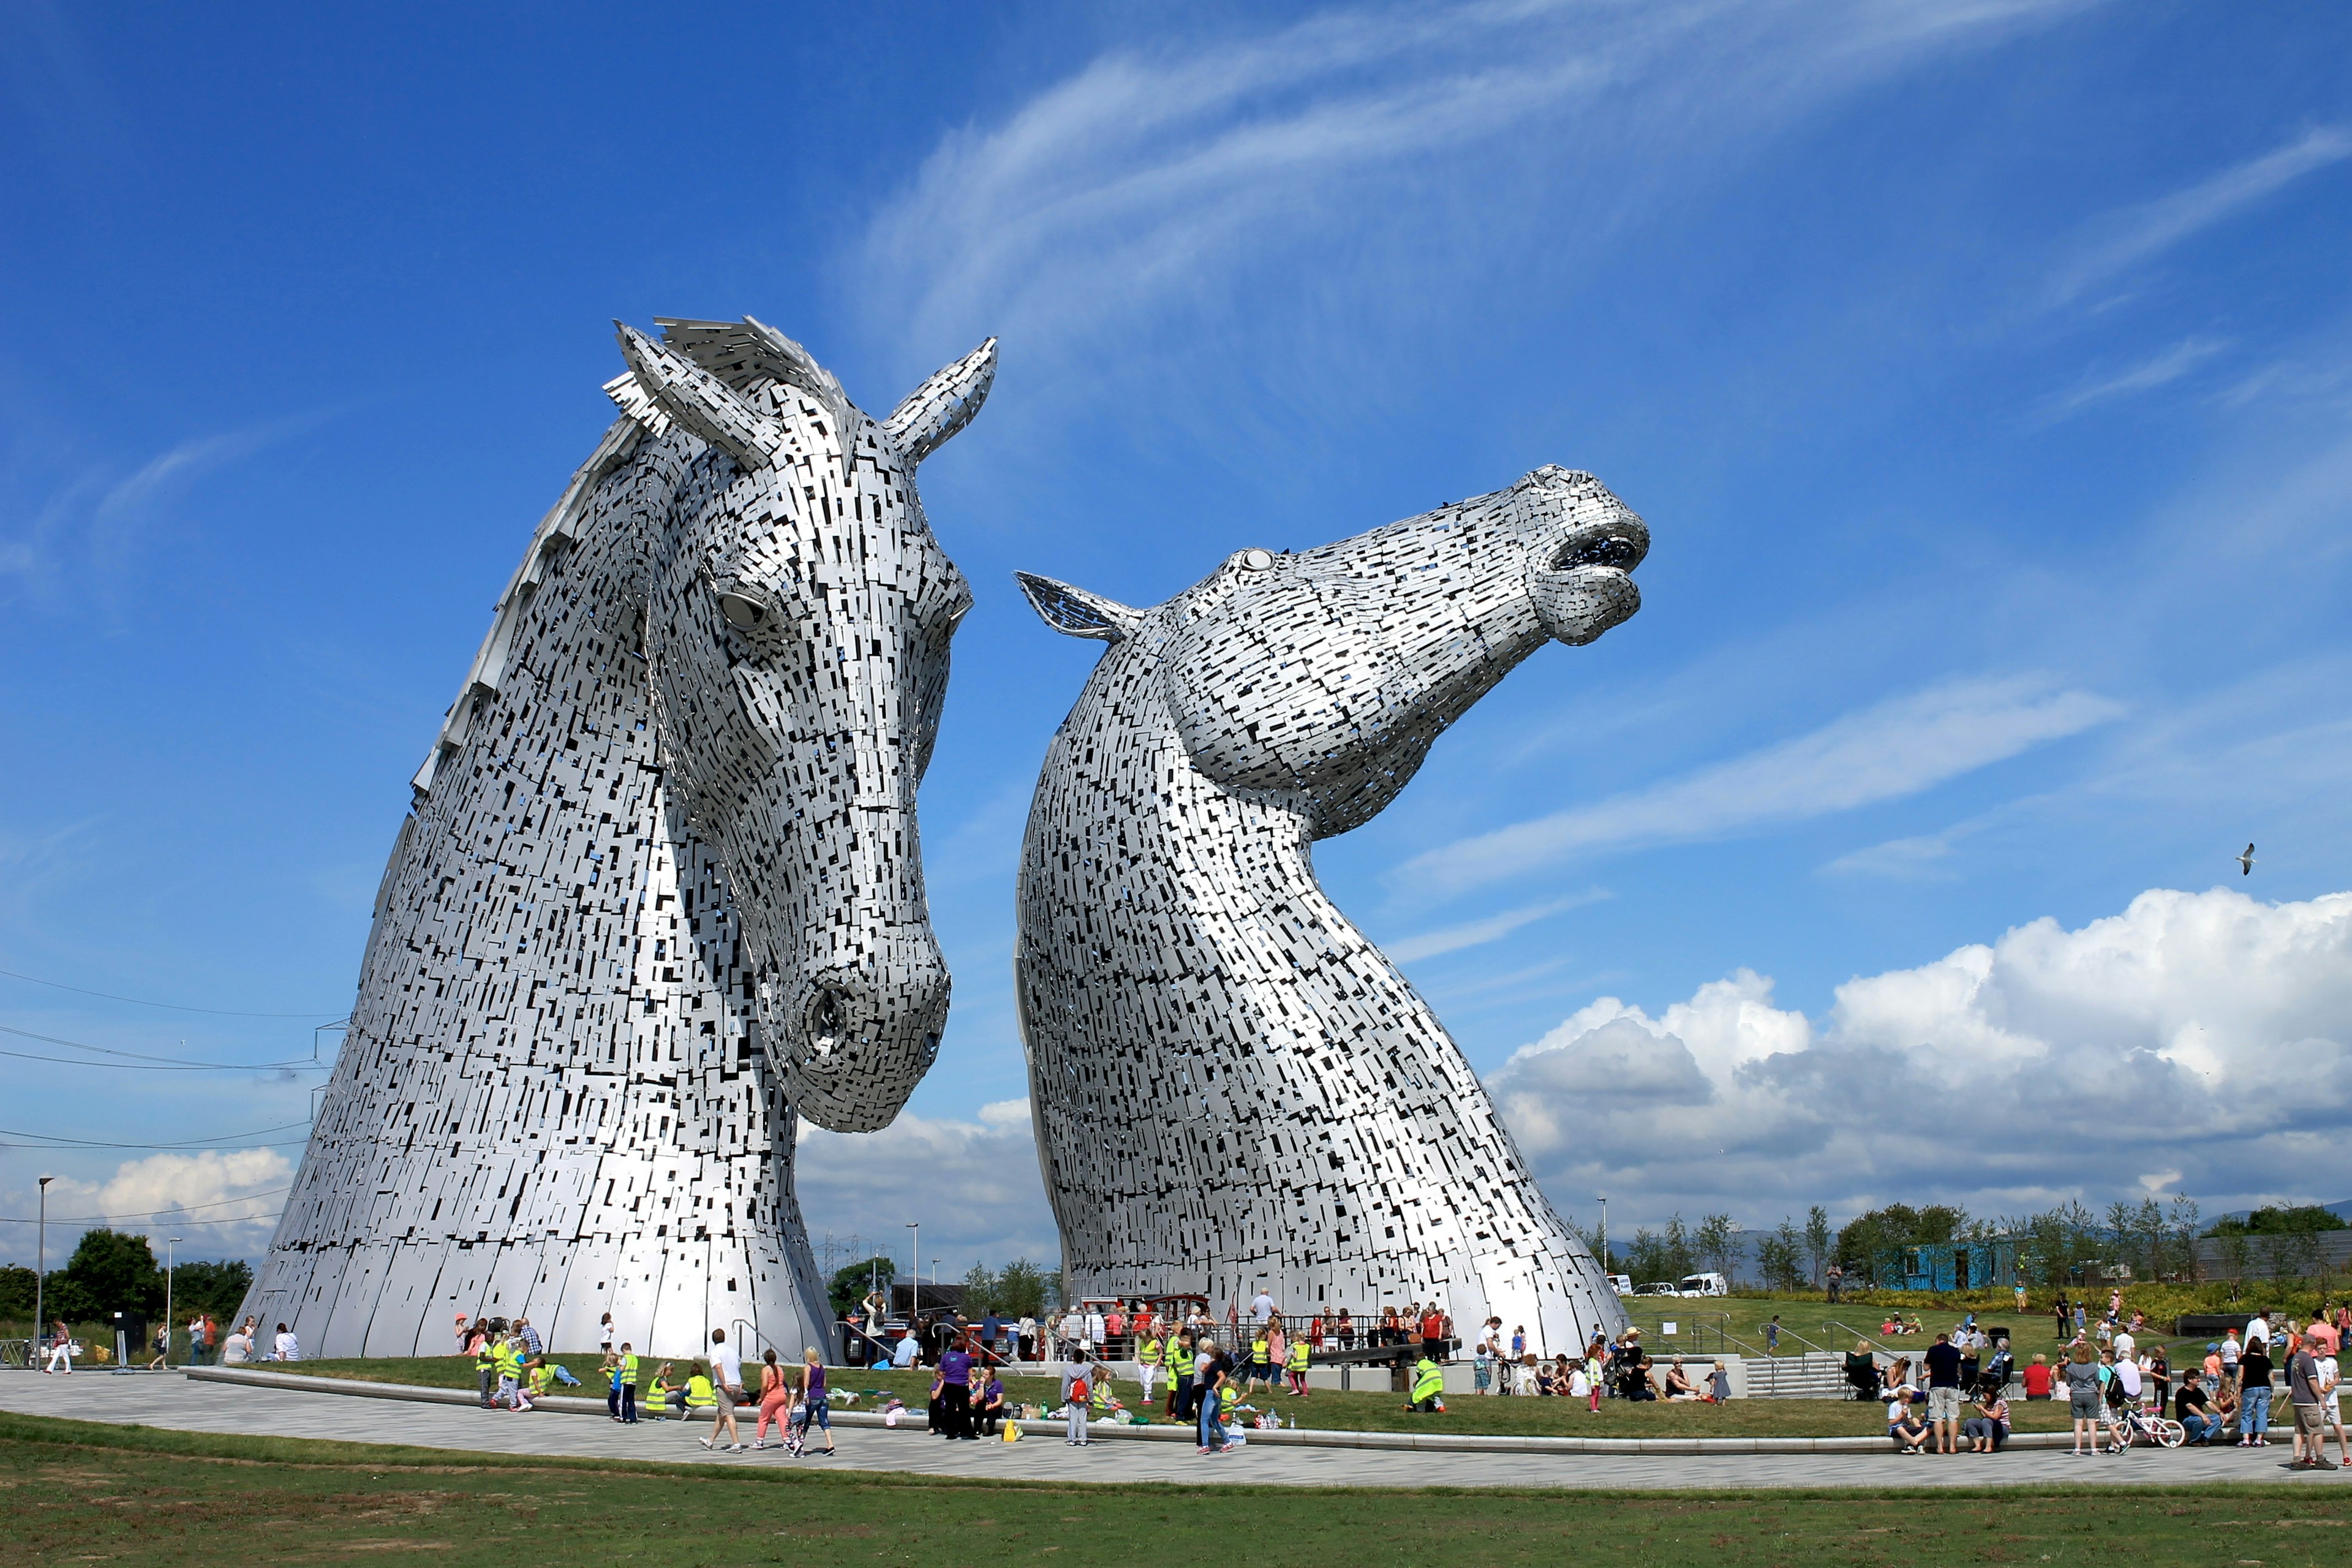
(58, 1348)
(2118, 1389)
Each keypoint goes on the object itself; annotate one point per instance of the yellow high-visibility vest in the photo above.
(1180, 1359)
(1150, 1354)
(1298, 1355)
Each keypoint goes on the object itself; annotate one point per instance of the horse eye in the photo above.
(743, 612)
(1612, 550)
(1257, 560)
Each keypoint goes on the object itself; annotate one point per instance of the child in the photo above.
(1903, 1425)
(626, 1375)
(1296, 1368)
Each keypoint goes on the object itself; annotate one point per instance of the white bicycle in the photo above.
(2160, 1429)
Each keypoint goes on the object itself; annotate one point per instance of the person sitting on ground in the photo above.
(699, 1394)
(1889, 1328)
(1678, 1383)
(1904, 1424)
(1547, 1381)
(238, 1346)
(1986, 1428)
(2039, 1378)
(285, 1347)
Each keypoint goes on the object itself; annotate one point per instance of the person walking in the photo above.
(2254, 1394)
(1296, 1369)
(1150, 1357)
(2083, 1399)
(817, 1404)
(1077, 1393)
(727, 1388)
(775, 1402)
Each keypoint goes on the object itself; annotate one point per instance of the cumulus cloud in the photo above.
(2195, 1043)
(973, 1185)
(221, 1203)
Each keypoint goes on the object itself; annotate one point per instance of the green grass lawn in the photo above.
(1353, 1411)
(81, 1492)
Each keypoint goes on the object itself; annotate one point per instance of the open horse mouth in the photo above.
(1586, 589)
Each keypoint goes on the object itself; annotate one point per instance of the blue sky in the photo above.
(1980, 367)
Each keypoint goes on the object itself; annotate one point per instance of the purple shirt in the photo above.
(955, 1369)
(814, 1392)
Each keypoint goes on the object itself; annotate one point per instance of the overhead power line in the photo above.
(129, 1219)
(140, 1060)
(173, 1007)
(224, 1140)
(164, 1213)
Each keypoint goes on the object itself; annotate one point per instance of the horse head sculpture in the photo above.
(1231, 1086)
(797, 630)
(660, 889)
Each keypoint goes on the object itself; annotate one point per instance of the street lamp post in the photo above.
(171, 1257)
(41, 1266)
(915, 1268)
(1602, 1198)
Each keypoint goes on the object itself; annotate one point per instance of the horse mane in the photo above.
(744, 354)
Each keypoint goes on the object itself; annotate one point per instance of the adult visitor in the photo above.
(816, 1406)
(775, 1401)
(2193, 1408)
(726, 1392)
(2303, 1390)
(1862, 1370)
(1944, 1358)
(1986, 1428)
(988, 1404)
(2038, 1377)
(955, 1393)
(2082, 1399)
(2254, 1391)
(1208, 1395)
(285, 1347)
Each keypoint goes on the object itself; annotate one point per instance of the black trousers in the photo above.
(955, 1411)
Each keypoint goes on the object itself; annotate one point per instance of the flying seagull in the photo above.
(2246, 862)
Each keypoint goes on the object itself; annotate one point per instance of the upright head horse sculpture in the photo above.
(1231, 1085)
(661, 887)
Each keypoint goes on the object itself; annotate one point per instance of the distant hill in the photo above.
(2341, 1211)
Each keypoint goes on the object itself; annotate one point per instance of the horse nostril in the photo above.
(826, 1024)
(1610, 550)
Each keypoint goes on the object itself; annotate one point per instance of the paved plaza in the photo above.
(173, 1402)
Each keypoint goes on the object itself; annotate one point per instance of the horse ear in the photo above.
(1076, 613)
(943, 404)
(699, 400)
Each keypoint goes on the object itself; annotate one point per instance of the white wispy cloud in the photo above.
(1894, 749)
(93, 528)
(2123, 240)
(1160, 175)
(2160, 370)
(1476, 933)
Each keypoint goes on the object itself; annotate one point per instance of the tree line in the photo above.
(115, 1271)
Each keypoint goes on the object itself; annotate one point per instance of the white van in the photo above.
(1621, 1283)
(1707, 1284)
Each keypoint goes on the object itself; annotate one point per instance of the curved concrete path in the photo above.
(182, 1403)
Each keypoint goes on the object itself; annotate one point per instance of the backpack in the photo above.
(1079, 1392)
